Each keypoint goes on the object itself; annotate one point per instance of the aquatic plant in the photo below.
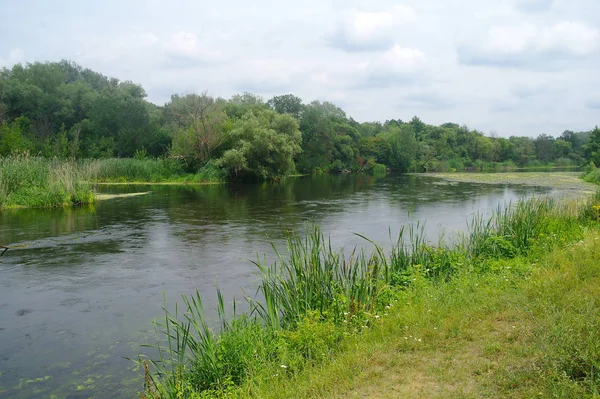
(28, 181)
(147, 170)
(313, 297)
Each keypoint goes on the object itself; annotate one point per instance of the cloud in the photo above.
(428, 100)
(528, 46)
(593, 103)
(397, 65)
(370, 31)
(534, 5)
(527, 90)
(269, 76)
(14, 56)
(186, 49)
(372, 54)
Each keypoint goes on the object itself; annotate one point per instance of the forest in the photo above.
(61, 110)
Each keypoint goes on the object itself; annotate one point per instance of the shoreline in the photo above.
(322, 315)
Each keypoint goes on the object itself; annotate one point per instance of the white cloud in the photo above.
(365, 31)
(148, 38)
(268, 75)
(186, 48)
(525, 45)
(14, 56)
(593, 102)
(375, 60)
(534, 5)
(571, 37)
(396, 64)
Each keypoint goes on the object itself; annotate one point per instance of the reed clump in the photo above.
(147, 170)
(29, 181)
(314, 299)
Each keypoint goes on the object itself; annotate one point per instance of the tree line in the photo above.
(59, 109)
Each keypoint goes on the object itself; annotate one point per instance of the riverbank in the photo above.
(328, 320)
(527, 328)
(28, 181)
(36, 182)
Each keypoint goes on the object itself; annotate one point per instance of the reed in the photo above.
(313, 297)
(147, 170)
(28, 181)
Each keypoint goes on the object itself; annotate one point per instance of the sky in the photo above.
(504, 67)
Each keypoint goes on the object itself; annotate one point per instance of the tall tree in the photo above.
(592, 148)
(287, 104)
(200, 124)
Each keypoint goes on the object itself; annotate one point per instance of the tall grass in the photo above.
(592, 174)
(27, 181)
(313, 297)
(147, 170)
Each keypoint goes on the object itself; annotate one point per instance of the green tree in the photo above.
(262, 145)
(543, 148)
(592, 148)
(287, 104)
(200, 126)
(13, 138)
(402, 146)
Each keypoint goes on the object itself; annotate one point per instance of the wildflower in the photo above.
(376, 316)
(283, 366)
(419, 340)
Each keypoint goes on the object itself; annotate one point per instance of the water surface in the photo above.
(82, 296)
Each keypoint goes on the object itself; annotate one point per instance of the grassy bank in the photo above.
(27, 181)
(591, 174)
(331, 324)
(131, 170)
(526, 328)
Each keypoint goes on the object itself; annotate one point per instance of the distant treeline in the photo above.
(59, 109)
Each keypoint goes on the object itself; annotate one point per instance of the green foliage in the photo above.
(141, 169)
(379, 169)
(287, 104)
(261, 145)
(37, 182)
(12, 137)
(313, 299)
(59, 109)
(592, 148)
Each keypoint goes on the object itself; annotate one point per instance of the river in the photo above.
(80, 299)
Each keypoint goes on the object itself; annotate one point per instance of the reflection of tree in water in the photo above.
(35, 223)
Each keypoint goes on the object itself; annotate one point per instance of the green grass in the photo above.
(132, 170)
(27, 181)
(526, 328)
(592, 175)
(321, 317)
(30, 181)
